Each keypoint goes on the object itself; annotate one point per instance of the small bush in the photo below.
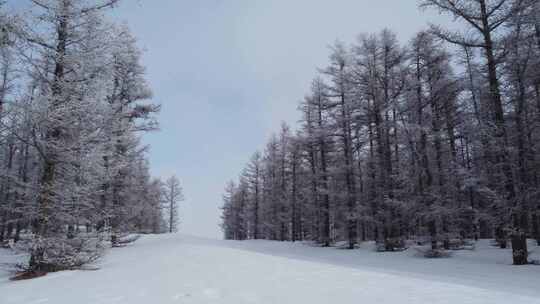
(57, 254)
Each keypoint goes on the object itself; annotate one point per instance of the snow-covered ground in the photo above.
(183, 269)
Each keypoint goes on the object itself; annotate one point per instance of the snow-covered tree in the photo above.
(73, 102)
(172, 196)
(394, 143)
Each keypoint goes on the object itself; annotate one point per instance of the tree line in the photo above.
(435, 140)
(74, 103)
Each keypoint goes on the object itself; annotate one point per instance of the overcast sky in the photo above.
(227, 72)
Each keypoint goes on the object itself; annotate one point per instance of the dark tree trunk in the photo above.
(519, 248)
(2, 232)
(9, 231)
(256, 207)
(496, 102)
(536, 227)
(294, 219)
(315, 194)
(501, 238)
(433, 234)
(71, 232)
(325, 210)
(349, 174)
(18, 229)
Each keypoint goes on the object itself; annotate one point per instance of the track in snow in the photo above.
(181, 269)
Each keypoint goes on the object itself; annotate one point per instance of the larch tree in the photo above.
(435, 140)
(340, 93)
(172, 195)
(487, 18)
(73, 102)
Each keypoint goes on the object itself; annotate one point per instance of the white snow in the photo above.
(182, 269)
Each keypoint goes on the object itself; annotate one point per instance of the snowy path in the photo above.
(180, 269)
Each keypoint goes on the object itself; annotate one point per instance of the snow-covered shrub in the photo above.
(57, 253)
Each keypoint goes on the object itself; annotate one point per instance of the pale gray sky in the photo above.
(227, 72)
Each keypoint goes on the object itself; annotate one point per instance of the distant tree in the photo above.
(228, 214)
(172, 195)
(253, 177)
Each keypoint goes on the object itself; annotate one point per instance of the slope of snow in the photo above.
(485, 267)
(181, 269)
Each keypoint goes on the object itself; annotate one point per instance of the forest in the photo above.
(74, 104)
(435, 140)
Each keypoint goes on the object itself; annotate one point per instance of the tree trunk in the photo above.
(501, 238)
(433, 234)
(256, 207)
(325, 210)
(294, 220)
(45, 199)
(497, 106)
(519, 248)
(2, 232)
(349, 174)
(536, 227)
(18, 229)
